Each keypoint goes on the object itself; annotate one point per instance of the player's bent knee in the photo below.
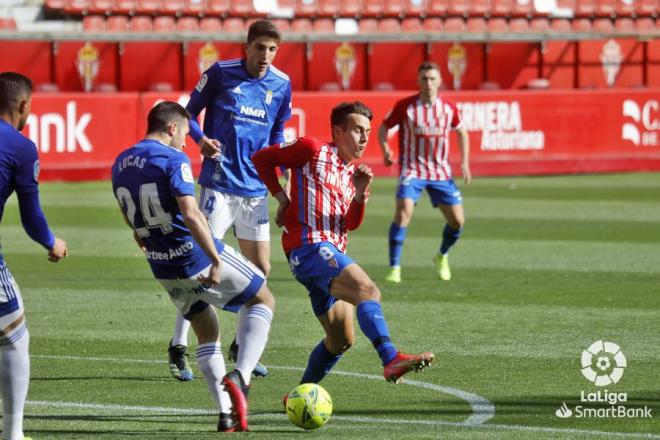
(371, 292)
(264, 296)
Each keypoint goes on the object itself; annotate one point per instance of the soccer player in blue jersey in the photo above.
(155, 189)
(247, 102)
(19, 170)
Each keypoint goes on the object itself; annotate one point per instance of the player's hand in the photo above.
(139, 242)
(211, 148)
(362, 178)
(213, 278)
(467, 175)
(58, 251)
(387, 159)
(283, 198)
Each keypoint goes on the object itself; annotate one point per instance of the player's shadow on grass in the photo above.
(103, 378)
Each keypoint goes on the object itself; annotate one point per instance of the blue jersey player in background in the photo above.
(155, 189)
(247, 102)
(19, 170)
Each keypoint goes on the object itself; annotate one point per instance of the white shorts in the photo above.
(12, 319)
(240, 280)
(248, 215)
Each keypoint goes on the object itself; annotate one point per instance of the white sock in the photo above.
(181, 327)
(212, 366)
(14, 381)
(252, 338)
(240, 317)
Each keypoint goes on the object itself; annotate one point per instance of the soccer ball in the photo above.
(309, 406)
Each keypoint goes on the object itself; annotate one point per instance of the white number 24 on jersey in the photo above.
(152, 211)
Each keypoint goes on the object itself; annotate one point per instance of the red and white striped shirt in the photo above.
(322, 206)
(424, 136)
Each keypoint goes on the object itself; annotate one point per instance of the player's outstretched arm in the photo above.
(199, 228)
(35, 224)
(464, 145)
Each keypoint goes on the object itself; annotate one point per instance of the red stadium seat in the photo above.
(500, 8)
(647, 8)
(126, 7)
(522, 8)
(519, 25)
(625, 8)
(458, 7)
(372, 8)
(301, 25)
(323, 26)
(603, 25)
(454, 24)
(624, 24)
(645, 24)
(93, 23)
(415, 8)
(171, 7)
(411, 25)
(147, 7)
(497, 24)
(581, 25)
(432, 24)
(560, 25)
(437, 8)
(479, 8)
(117, 23)
(307, 8)
(233, 25)
(389, 25)
(141, 23)
(241, 8)
(210, 24)
(187, 24)
(349, 8)
(164, 23)
(282, 24)
(368, 25)
(194, 7)
(76, 7)
(103, 7)
(606, 8)
(218, 8)
(55, 5)
(585, 8)
(328, 8)
(540, 24)
(476, 24)
(9, 24)
(394, 8)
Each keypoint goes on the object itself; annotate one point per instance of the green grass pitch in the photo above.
(546, 266)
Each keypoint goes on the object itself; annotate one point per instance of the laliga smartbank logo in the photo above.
(603, 364)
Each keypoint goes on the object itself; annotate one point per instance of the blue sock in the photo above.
(449, 238)
(397, 237)
(319, 364)
(373, 325)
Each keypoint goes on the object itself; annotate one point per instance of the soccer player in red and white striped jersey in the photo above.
(424, 121)
(327, 199)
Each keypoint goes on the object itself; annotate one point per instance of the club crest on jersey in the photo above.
(202, 83)
(269, 96)
(186, 173)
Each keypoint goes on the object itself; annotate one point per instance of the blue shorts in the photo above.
(442, 192)
(314, 266)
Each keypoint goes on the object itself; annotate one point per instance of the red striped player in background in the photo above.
(424, 122)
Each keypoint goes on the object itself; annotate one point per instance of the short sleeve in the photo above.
(182, 181)
(456, 117)
(395, 117)
(26, 175)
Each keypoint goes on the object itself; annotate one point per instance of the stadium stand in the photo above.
(93, 23)
(141, 23)
(102, 7)
(219, 8)
(476, 24)
(187, 24)
(411, 25)
(194, 7)
(164, 23)
(210, 24)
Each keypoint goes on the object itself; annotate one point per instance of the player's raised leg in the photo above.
(452, 231)
(353, 285)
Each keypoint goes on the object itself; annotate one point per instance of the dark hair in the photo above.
(428, 65)
(263, 28)
(340, 113)
(13, 88)
(163, 115)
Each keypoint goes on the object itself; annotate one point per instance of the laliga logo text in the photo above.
(603, 364)
(645, 116)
